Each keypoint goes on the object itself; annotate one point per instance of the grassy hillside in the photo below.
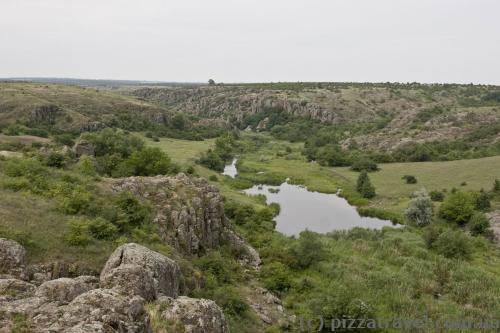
(68, 107)
(474, 174)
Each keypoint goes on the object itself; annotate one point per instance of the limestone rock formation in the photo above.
(189, 212)
(164, 272)
(64, 290)
(132, 276)
(83, 147)
(12, 260)
(195, 315)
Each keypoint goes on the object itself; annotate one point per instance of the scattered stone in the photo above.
(64, 290)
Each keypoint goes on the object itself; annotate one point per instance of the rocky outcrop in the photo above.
(12, 260)
(83, 147)
(64, 290)
(221, 102)
(45, 114)
(494, 218)
(189, 213)
(160, 275)
(132, 276)
(194, 315)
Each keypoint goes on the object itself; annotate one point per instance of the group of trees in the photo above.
(215, 159)
(121, 154)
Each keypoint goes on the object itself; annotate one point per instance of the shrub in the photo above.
(409, 179)
(436, 195)
(458, 207)
(364, 186)
(276, 277)
(431, 234)
(454, 244)
(78, 234)
(64, 139)
(190, 170)
(55, 160)
(482, 201)
(136, 214)
(99, 228)
(496, 186)
(308, 249)
(87, 165)
(213, 178)
(478, 224)
(364, 165)
(147, 162)
(419, 211)
(212, 160)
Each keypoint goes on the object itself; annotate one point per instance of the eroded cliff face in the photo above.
(220, 102)
(189, 213)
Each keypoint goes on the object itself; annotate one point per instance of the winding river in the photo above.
(302, 209)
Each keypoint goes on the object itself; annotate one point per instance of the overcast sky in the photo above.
(252, 40)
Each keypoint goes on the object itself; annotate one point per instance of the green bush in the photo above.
(213, 178)
(99, 228)
(79, 234)
(364, 186)
(135, 213)
(482, 201)
(364, 165)
(419, 211)
(308, 249)
(436, 195)
(458, 207)
(409, 179)
(454, 244)
(87, 165)
(479, 224)
(212, 160)
(55, 160)
(147, 162)
(276, 277)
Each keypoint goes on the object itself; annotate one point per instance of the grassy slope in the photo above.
(18, 100)
(394, 192)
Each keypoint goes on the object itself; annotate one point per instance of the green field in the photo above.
(183, 152)
(393, 191)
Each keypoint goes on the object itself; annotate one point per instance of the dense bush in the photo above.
(364, 186)
(454, 244)
(479, 224)
(482, 201)
(308, 249)
(410, 179)
(147, 162)
(458, 207)
(436, 195)
(364, 165)
(419, 211)
(276, 277)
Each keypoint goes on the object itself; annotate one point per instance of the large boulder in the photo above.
(165, 272)
(11, 289)
(195, 315)
(130, 279)
(64, 290)
(98, 310)
(12, 260)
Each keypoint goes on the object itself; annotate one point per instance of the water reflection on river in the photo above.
(320, 212)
